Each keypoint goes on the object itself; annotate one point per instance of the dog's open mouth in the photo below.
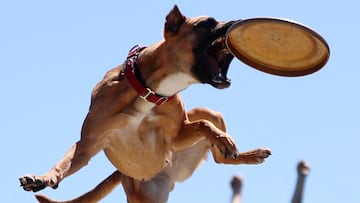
(219, 59)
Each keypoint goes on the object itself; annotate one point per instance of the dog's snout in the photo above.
(228, 24)
(231, 22)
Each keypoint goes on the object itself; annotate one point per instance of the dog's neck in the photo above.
(160, 72)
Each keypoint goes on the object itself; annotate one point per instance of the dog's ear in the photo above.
(174, 20)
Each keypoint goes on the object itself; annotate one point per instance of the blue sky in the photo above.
(52, 53)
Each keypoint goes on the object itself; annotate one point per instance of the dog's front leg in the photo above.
(205, 123)
(211, 125)
(192, 132)
(91, 142)
(76, 157)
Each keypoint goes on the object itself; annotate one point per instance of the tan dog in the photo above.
(139, 120)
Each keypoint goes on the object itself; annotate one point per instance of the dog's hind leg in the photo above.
(94, 195)
(155, 190)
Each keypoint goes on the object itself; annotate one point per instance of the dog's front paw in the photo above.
(255, 156)
(35, 183)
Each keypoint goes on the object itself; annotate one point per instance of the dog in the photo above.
(138, 118)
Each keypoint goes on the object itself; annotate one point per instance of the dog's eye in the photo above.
(208, 23)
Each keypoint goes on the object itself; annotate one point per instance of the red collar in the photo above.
(144, 92)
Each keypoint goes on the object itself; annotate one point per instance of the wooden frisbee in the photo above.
(277, 46)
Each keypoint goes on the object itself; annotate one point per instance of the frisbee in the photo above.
(277, 46)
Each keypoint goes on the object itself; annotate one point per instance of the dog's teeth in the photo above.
(225, 51)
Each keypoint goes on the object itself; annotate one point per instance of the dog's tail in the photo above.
(94, 195)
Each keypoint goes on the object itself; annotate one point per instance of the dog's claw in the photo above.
(235, 155)
(31, 183)
(226, 155)
(226, 145)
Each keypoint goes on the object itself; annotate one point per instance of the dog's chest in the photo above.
(140, 149)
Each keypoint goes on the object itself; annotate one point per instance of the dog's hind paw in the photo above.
(35, 183)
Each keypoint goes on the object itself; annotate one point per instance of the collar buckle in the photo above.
(150, 96)
(147, 93)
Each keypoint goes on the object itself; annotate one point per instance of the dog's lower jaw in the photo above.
(220, 82)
